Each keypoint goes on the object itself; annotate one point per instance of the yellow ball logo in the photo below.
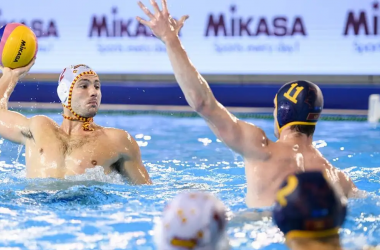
(18, 45)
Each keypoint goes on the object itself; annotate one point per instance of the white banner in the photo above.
(221, 36)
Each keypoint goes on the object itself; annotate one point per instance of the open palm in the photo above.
(161, 23)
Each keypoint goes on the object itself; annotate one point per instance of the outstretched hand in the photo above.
(18, 72)
(161, 23)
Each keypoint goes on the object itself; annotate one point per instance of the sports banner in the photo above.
(221, 36)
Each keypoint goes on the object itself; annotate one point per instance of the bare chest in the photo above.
(55, 154)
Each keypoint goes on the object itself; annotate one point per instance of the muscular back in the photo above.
(265, 176)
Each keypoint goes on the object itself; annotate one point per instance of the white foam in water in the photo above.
(97, 174)
(16, 170)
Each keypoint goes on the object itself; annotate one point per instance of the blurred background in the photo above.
(245, 49)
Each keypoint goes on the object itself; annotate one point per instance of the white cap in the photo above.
(192, 220)
(67, 79)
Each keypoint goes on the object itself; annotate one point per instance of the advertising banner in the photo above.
(221, 36)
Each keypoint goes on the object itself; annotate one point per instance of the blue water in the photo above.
(94, 211)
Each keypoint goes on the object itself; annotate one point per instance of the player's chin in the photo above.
(92, 111)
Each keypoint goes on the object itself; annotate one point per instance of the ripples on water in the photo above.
(95, 211)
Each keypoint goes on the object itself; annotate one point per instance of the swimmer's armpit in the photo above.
(11, 123)
(14, 126)
(27, 134)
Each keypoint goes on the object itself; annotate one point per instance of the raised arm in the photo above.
(13, 126)
(242, 137)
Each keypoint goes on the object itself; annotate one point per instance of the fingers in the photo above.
(24, 70)
(165, 7)
(142, 21)
(146, 10)
(182, 20)
(155, 7)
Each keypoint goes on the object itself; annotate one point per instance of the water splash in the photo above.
(19, 150)
(97, 174)
(99, 211)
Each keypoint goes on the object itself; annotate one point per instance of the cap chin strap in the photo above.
(86, 120)
(290, 123)
(312, 234)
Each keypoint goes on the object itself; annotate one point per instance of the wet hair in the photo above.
(308, 130)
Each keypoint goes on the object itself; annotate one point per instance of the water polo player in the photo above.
(77, 144)
(298, 107)
(192, 220)
(310, 212)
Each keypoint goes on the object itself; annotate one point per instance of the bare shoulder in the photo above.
(251, 129)
(41, 122)
(256, 142)
(124, 142)
(41, 119)
(120, 136)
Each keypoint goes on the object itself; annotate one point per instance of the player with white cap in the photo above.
(192, 220)
(77, 144)
(66, 83)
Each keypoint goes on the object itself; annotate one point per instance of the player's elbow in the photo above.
(197, 101)
(199, 106)
(204, 107)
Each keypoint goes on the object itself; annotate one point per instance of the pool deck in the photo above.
(351, 99)
(172, 108)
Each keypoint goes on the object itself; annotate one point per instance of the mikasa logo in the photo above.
(22, 47)
(41, 27)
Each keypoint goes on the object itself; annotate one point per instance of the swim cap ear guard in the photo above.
(298, 103)
(307, 206)
(67, 79)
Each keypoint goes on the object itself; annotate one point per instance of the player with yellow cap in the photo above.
(309, 210)
(298, 106)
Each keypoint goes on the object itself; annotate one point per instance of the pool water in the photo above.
(94, 211)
